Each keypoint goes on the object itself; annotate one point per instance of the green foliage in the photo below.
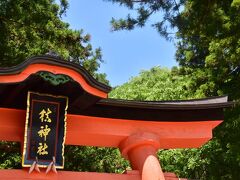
(212, 38)
(94, 159)
(30, 28)
(207, 34)
(209, 44)
(155, 84)
(10, 155)
(170, 15)
(183, 162)
(102, 77)
(225, 163)
(77, 158)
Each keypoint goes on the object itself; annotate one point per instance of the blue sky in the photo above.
(125, 53)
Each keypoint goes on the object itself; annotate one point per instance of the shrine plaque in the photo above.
(45, 130)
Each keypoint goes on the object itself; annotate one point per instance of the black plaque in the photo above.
(45, 129)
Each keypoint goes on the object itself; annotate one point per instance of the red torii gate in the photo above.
(138, 128)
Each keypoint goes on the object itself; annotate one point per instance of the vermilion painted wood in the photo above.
(17, 174)
(96, 131)
(34, 68)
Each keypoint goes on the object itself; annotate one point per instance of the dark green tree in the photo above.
(209, 45)
(30, 28)
(94, 159)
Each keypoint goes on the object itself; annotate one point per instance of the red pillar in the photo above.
(141, 150)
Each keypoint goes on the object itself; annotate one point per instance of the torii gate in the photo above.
(137, 128)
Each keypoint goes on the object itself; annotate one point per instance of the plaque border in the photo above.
(26, 128)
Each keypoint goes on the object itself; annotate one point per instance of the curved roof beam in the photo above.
(54, 65)
(204, 103)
